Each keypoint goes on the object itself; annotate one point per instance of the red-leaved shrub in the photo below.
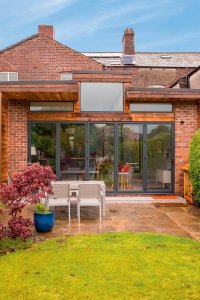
(20, 227)
(2, 227)
(26, 187)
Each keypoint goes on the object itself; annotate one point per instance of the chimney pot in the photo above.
(47, 30)
(128, 42)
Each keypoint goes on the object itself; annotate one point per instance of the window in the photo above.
(101, 96)
(66, 76)
(156, 86)
(51, 106)
(165, 56)
(8, 76)
(151, 107)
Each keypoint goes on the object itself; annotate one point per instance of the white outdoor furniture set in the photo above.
(87, 193)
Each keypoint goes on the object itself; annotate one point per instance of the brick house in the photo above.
(126, 118)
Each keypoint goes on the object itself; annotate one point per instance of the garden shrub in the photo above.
(2, 227)
(26, 187)
(194, 165)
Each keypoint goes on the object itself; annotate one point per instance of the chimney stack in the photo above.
(47, 30)
(128, 42)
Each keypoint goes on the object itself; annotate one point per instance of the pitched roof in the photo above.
(148, 59)
(18, 43)
(36, 35)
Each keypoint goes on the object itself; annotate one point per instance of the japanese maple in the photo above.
(26, 187)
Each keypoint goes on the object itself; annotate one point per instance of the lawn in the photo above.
(106, 266)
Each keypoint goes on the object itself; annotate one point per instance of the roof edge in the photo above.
(18, 43)
(165, 90)
(38, 82)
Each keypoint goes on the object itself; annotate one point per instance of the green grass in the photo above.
(107, 266)
(11, 245)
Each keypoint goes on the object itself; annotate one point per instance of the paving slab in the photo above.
(177, 219)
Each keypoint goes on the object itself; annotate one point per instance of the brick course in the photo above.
(42, 58)
(17, 136)
(186, 123)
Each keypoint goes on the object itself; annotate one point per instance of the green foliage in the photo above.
(12, 245)
(41, 209)
(105, 266)
(194, 165)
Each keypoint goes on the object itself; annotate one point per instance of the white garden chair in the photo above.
(89, 195)
(60, 197)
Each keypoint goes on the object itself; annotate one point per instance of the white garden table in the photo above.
(74, 188)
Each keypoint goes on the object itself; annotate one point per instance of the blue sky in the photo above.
(92, 25)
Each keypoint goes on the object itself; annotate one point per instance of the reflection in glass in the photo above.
(101, 153)
(43, 144)
(52, 106)
(159, 156)
(151, 107)
(108, 96)
(130, 157)
(72, 151)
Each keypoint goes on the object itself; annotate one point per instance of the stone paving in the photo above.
(160, 217)
(170, 218)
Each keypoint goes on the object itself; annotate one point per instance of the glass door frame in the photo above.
(116, 144)
(145, 158)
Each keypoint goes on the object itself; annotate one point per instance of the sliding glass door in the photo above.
(42, 147)
(159, 157)
(101, 153)
(128, 157)
(72, 151)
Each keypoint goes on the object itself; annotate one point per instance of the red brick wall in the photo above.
(17, 136)
(42, 58)
(187, 113)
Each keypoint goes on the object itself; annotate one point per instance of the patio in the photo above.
(174, 218)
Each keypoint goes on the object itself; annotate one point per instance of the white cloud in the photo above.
(162, 42)
(25, 12)
(138, 11)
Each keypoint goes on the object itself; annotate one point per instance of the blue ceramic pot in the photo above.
(44, 222)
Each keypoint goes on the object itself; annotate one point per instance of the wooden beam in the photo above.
(42, 88)
(103, 77)
(78, 116)
(162, 94)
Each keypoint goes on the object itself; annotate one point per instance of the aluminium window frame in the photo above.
(144, 152)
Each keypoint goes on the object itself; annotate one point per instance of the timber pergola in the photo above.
(162, 94)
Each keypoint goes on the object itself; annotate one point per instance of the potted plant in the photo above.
(26, 187)
(43, 218)
(194, 167)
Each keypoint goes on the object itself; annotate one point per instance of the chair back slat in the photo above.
(89, 191)
(60, 190)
